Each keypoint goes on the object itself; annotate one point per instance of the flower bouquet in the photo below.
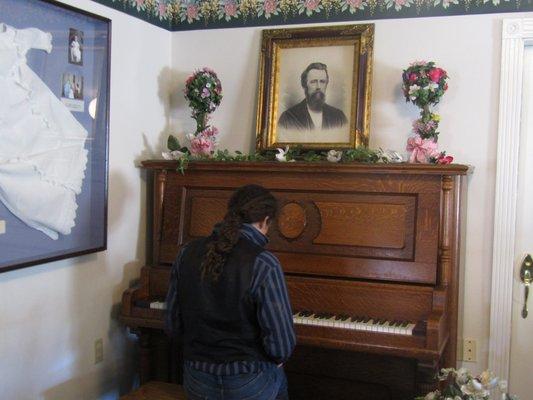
(203, 90)
(424, 84)
(462, 385)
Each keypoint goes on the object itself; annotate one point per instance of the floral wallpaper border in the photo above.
(177, 15)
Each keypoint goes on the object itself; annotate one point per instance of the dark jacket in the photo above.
(220, 319)
(297, 117)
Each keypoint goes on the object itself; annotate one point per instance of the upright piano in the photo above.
(371, 256)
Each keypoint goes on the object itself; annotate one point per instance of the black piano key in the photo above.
(142, 303)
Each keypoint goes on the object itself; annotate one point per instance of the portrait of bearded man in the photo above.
(313, 113)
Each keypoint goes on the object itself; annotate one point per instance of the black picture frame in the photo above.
(28, 239)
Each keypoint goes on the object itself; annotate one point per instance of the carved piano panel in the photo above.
(370, 254)
(360, 235)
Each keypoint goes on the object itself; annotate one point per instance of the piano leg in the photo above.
(425, 378)
(160, 358)
(145, 356)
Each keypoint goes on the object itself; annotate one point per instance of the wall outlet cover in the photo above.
(469, 350)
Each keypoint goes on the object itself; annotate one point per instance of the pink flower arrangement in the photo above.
(444, 159)
(421, 149)
(426, 126)
(202, 146)
(203, 90)
(424, 84)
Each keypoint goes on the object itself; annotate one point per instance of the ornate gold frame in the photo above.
(362, 38)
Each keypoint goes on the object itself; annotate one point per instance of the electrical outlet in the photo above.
(98, 351)
(469, 350)
(2, 226)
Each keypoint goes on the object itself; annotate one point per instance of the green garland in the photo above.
(297, 153)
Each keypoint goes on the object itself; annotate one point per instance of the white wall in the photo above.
(50, 315)
(468, 47)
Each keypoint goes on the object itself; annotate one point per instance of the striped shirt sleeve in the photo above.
(173, 314)
(273, 307)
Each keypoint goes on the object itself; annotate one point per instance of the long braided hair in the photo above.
(249, 204)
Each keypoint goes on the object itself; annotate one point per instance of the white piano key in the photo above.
(393, 327)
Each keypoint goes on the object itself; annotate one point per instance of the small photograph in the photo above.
(75, 47)
(72, 92)
(72, 87)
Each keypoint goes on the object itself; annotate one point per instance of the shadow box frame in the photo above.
(89, 61)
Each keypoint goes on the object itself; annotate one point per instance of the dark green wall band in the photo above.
(177, 15)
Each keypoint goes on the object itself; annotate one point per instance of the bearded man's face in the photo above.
(315, 90)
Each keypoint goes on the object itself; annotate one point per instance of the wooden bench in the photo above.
(157, 391)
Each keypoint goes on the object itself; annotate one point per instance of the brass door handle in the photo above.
(526, 275)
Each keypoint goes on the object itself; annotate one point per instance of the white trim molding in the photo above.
(516, 34)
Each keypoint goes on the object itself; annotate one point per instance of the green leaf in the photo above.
(173, 143)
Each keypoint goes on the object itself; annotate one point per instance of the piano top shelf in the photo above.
(313, 167)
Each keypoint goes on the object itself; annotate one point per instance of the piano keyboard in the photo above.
(153, 304)
(356, 323)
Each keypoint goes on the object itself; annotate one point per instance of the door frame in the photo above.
(516, 34)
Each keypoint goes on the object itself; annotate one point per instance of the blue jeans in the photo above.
(269, 384)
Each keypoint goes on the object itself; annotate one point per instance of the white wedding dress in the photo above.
(42, 154)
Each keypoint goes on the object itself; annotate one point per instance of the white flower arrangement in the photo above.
(283, 155)
(173, 155)
(462, 385)
(334, 156)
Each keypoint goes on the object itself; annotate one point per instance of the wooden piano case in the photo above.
(377, 240)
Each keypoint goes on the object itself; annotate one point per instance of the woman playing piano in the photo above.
(228, 301)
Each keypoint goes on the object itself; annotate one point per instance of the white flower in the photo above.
(172, 155)
(282, 154)
(488, 380)
(190, 136)
(334, 156)
(412, 91)
(474, 388)
(502, 385)
(433, 86)
(462, 376)
(389, 156)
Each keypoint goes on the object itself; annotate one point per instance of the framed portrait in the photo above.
(54, 122)
(315, 87)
